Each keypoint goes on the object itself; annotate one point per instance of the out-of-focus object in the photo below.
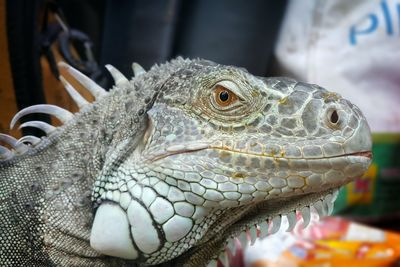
(34, 36)
(7, 96)
(335, 242)
(353, 47)
(60, 42)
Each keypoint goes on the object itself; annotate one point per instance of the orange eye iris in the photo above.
(223, 96)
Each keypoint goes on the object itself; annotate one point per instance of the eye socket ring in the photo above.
(224, 97)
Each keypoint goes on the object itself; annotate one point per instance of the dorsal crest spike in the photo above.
(5, 153)
(44, 126)
(78, 99)
(137, 69)
(88, 83)
(20, 148)
(119, 78)
(60, 113)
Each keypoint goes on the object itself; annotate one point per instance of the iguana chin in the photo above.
(171, 166)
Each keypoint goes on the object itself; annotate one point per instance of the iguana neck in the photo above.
(51, 184)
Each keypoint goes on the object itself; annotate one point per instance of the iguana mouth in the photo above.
(193, 147)
(367, 154)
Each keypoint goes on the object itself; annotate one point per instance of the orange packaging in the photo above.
(335, 242)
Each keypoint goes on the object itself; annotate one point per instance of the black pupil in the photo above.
(224, 96)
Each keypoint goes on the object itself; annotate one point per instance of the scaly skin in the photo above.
(175, 163)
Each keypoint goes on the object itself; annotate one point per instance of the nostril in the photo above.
(334, 118)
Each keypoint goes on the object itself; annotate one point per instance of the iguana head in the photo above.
(224, 153)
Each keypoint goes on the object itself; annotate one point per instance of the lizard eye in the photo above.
(223, 96)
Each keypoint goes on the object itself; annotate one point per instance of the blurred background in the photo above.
(350, 47)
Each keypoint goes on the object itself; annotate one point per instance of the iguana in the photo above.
(171, 166)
